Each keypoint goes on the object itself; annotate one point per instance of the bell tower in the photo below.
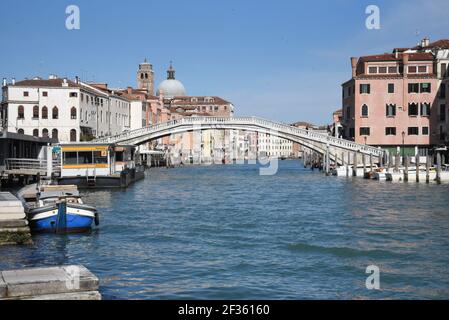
(145, 77)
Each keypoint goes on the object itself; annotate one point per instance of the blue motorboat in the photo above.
(58, 209)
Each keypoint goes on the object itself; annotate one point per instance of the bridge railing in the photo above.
(38, 165)
(251, 122)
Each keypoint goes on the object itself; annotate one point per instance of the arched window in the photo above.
(36, 112)
(73, 135)
(364, 110)
(35, 133)
(21, 112)
(20, 131)
(54, 134)
(141, 76)
(44, 112)
(45, 133)
(146, 75)
(55, 113)
(73, 113)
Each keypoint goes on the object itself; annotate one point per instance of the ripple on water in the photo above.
(224, 232)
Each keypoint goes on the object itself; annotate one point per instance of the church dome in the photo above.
(171, 87)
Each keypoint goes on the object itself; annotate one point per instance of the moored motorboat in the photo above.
(57, 209)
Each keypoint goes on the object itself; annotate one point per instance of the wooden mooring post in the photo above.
(438, 167)
(427, 169)
(328, 160)
(417, 166)
(354, 164)
(406, 163)
(347, 164)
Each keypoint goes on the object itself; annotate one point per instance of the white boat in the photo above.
(341, 171)
(57, 209)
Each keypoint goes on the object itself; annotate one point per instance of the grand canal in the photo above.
(224, 232)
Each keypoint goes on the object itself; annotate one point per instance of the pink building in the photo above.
(398, 98)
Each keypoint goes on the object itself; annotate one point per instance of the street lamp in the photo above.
(365, 139)
(403, 149)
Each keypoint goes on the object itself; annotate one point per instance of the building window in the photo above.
(73, 94)
(54, 134)
(44, 93)
(365, 88)
(44, 113)
(45, 133)
(391, 88)
(55, 113)
(425, 131)
(382, 69)
(413, 131)
(73, 135)
(392, 69)
(391, 110)
(425, 88)
(35, 133)
(20, 131)
(390, 131)
(372, 70)
(73, 113)
(442, 112)
(422, 69)
(36, 112)
(364, 131)
(413, 88)
(443, 70)
(412, 69)
(425, 109)
(364, 110)
(413, 109)
(21, 112)
(26, 94)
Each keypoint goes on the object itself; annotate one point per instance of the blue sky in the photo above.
(282, 60)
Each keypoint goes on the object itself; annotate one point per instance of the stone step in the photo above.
(7, 199)
(12, 216)
(15, 230)
(11, 209)
(13, 223)
(89, 295)
(48, 281)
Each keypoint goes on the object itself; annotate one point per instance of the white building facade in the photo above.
(64, 110)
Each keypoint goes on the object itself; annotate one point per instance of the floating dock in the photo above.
(14, 227)
(73, 282)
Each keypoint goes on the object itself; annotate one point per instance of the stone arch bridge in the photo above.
(334, 149)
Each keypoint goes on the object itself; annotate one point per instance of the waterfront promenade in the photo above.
(225, 232)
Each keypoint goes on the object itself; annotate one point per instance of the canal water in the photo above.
(225, 232)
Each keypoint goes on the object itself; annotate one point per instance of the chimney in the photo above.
(129, 90)
(354, 66)
(64, 82)
(4, 82)
(13, 81)
(405, 59)
(77, 80)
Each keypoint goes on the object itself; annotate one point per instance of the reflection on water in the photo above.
(225, 232)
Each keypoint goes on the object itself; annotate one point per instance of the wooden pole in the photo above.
(427, 169)
(406, 168)
(396, 162)
(438, 168)
(371, 162)
(354, 165)
(364, 164)
(417, 167)
(347, 164)
(327, 160)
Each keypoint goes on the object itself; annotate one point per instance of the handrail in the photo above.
(250, 122)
